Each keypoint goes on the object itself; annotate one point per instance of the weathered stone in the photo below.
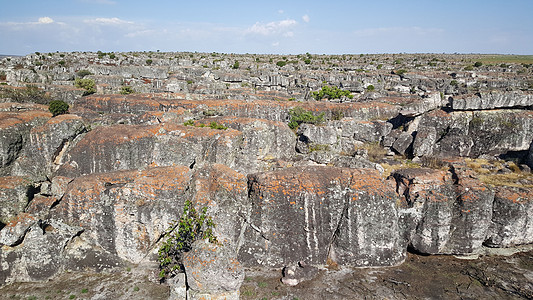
(445, 213)
(123, 147)
(263, 142)
(125, 212)
(13, 196)
(46, 146)
(492, 99)
(316, 213)
(529, 159)
(294, 274)
(433, 101)
(402, 144)
(178, 287)
(40, 256)
(213, 271)
(15, 230)
(424, 141)
(512, 221)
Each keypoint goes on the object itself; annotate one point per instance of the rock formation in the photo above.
(429, 159)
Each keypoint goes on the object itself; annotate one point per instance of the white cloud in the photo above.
(108, 21)
(280, 11)
(272, 28)
(275, 44)
(45, 20)
(306, 18)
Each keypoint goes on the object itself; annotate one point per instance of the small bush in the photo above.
(180, 236)
(87, 84)
(281, 63)
(126, 90)
(83, 73)
(299, 115)
(370, 88)
(329, 92)
(478, 64)
(235, 65)
(149, 62)
(58, 107)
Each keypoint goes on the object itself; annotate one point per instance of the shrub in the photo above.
(235, 65)
(192, 226)
(58, 107)
(454, 83)
(281, 63)
(149, 62)
(299, 115)
(478, 64)
(469, 68)
(126, 90)
(370, 88)
(329, 92)
(307, 61)
(400, 72)
(83, 73)
(87, 84)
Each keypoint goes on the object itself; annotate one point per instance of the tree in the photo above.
(87, 84)
(58, 107)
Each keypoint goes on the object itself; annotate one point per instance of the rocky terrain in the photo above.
(359, 174)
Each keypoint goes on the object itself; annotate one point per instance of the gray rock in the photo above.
(424, 141)
(213, 271)
(493, 99)
(512, 221)
(320, 213)
(14, 231)
(294, 274)
(13, 196)
(402, 144)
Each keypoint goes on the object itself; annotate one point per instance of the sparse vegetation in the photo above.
(192, 226)
(31, 93)
(329, 92)
(299, 115)
(58, 107)
(87, 84)
(83, 73)
(126, 90)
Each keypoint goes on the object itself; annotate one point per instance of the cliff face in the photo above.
(428, 160)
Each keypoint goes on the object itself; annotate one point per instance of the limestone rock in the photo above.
(316, 213)
(294, 274)
(14, 231)
(213, 271)
(444, 213)
(402, 144)
(13, 196)
(492, 99)
(512, 221)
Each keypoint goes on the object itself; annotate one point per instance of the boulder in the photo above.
(14, 192)
(403, 143)
(128, 147)
(213, 271)
(512, 221)
(492, 100)
(43, 153)
(318, 213)
(444, 212)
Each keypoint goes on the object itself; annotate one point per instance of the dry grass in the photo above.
(511, 59)
(374, 150)
(488, 173)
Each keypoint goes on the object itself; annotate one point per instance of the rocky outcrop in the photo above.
(14, 192)
(492, 100)
(346, 215)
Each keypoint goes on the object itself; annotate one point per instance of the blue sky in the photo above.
(281, 27)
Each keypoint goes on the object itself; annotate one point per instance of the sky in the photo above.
(268, 27)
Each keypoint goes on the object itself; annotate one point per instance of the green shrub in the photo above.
(478, 64)
(189, 122)
(370, 88)
(307, 61)
(87, 84)
(400, 72)
(149, 62)
(83, 73)
(469, 68)
(126, 90)
(58, 107)
(235, 65)
(299, 115)
(192, 226)
(329, 92)
(281, 63)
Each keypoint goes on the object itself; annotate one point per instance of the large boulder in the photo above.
(14, 192)
(213, 271)
(128, 147)
(444, 212)
(42, 154)
(492, 100)
(313, 214)
(512, 221)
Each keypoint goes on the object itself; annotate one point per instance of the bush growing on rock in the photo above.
(83, 73)
(87, 84)
(58, 107)
(192, 226)
(331, 92)
(126, 90)
(299, 115)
